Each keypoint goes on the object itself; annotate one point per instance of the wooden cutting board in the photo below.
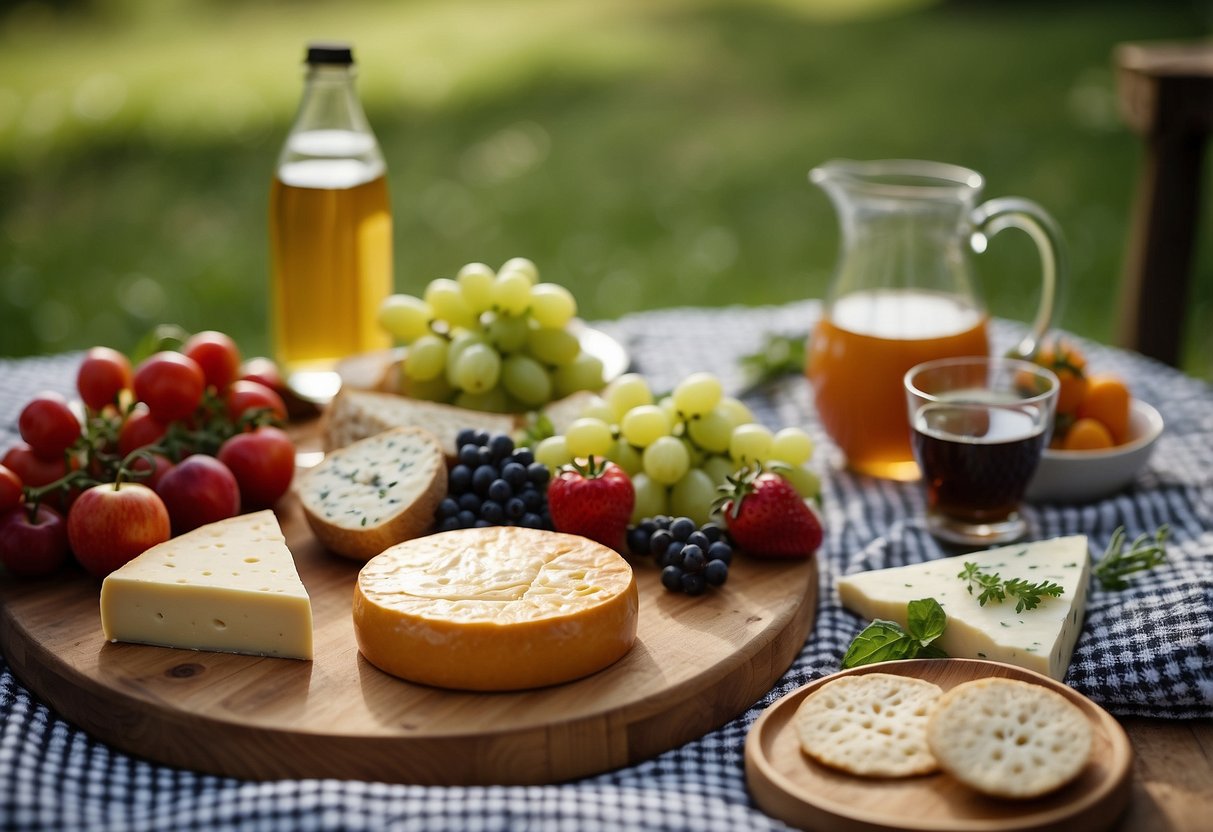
(697, 663)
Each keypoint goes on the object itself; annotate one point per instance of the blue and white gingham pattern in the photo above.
(1147, 650)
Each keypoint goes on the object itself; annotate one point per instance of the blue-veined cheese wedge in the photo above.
(228, 587)
(1040, 639)
(498, 608)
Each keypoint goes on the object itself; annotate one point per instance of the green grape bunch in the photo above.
(497, 341)
(678, 449)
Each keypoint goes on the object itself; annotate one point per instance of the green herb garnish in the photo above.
(1142, 555)
(994, 588)
(779, 355)
(886, 641)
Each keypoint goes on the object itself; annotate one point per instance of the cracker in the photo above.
(1009, 738)
(872, 724)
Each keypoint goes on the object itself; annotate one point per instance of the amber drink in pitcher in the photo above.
(903, 293)
(330, 231)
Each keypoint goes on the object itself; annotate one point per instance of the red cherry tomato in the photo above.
(34, 471)
(139, 430)
(263, 462)
(263, 371)
(171, 385)
(103, 374)
(246, 395)
(48, 425)
(10, 488)
(32, 548)
(217, 355)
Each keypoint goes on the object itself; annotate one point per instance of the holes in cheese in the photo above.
(500, 608)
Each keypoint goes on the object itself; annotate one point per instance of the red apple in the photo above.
(199, 490)
(111, 523)
(32, 547)
(263, 461)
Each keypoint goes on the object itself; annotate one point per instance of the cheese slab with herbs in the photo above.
(1041, 638)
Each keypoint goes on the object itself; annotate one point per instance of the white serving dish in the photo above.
(1084, 476)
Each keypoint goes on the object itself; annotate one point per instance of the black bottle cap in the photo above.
(329, 52)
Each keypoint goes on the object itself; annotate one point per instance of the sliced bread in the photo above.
(375, 492)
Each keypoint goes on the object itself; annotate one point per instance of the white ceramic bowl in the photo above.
(1084, 476)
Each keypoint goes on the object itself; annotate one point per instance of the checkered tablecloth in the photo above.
(1148, 650)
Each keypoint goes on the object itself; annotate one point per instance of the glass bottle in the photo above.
(330, 230)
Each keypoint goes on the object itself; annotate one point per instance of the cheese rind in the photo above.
(1040, 639)
(228, 587)
(499, 608)
(375, 493)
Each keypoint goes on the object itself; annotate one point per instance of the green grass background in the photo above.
(644, 154)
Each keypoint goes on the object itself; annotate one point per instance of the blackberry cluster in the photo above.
(691, 558)
(494, 484)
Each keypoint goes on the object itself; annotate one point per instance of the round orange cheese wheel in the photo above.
(494, 609)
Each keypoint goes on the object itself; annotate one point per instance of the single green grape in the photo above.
(553, 452)
(736, 410)
(477, 369)
(596, 408)
(526, 380)
(552, 305)
(805, 480)
(626, 457)
(791, 445)
(588, 436)
(652, 498)
(476, 282)
(629, 391)
(644, 425)
(583, 373)
(494, 400)
(554, 347)
(750, 444)
(698, 393)
(405, 317)
(719, 467)
(461, 339)
(508, 333)
(694, 454)
(426, 358)
(512, 293)
(712, 430)
(666, 461)
(693, 495)
(523, 265)
(445, 297)
(666, 403)
(434, 390)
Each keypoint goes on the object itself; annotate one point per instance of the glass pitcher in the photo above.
(903, 293)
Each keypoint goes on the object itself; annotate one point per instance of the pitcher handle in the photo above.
(993, 216)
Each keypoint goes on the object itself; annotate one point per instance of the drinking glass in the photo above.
(978, 427)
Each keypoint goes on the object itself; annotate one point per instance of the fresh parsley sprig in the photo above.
(994, 588)
(886, 641)
(1143, 554)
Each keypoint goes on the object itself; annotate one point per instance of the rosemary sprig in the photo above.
(1143, 554)
(993, 588)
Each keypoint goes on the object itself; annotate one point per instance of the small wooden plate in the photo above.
(789, 785)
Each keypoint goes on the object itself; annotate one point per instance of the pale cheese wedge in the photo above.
(1040, 639)
(498, 608)
(228, 587)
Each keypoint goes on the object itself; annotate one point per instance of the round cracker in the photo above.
(1009, 738)
(872, 724)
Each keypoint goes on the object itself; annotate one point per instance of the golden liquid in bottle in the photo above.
(331, 251)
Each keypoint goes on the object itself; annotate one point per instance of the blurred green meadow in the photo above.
(643, 154)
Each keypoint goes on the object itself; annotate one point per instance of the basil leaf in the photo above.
(926, 619)
(880, 641)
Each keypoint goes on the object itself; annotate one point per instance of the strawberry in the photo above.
(593, 499)
(766, 516)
